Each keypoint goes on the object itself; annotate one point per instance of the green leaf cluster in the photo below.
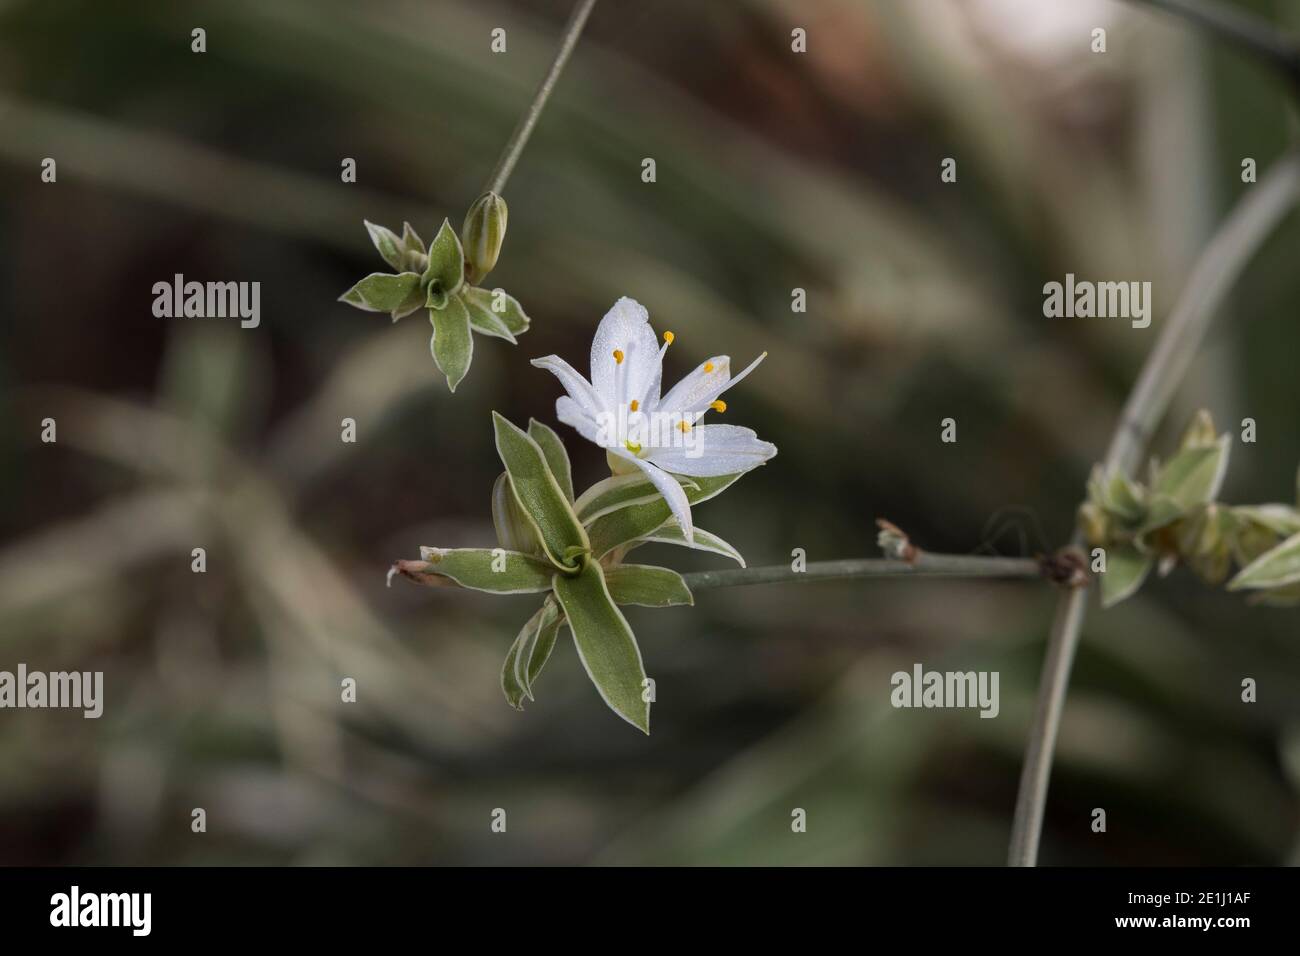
(438, 279)
(573, 551)
(1174, 518)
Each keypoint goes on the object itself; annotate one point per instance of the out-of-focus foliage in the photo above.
(776, 171)
(1175, 519)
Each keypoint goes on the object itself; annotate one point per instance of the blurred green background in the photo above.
(775, 170)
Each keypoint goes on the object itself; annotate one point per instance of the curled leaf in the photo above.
(539, 641)
(445, 271)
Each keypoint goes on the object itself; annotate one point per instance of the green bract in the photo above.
(438, 279)
(572, 551)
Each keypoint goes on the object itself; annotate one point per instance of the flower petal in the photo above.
(572, 414)
(699, 388)
(579, 388)
(714, 450)
(667, 486)
(706, 379)
(625, 329)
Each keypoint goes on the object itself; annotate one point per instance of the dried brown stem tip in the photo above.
(1068, 567)
(417, 571)
(895, 542)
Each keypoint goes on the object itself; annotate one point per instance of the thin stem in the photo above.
(926, 565)
(519, 138)
(1215, 272)
(1248, 31)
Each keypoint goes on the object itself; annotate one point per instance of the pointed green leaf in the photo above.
(539, 494)
(446, 268)
(452, 343)
(1275, 568)
(1126, 569)
(620, 491)
(413, 257)
(637, 521)
(647, 586)
(498, 304)
(557, 458)
(387, 242)
(484, 320)
(535, 649)
(1193, 476)
(671, 533)
(381, 292)
(411, 241)
(605, 642)
(495, 570)
(412, 303)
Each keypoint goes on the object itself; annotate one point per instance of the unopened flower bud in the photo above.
(483, 233)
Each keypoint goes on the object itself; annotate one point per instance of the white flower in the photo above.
(621, 409)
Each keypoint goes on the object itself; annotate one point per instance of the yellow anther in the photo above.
(718, 405)
(635, 405)
(668, 337)
(618, 356)
(684, 426)
(633, 448)
(708, 366)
